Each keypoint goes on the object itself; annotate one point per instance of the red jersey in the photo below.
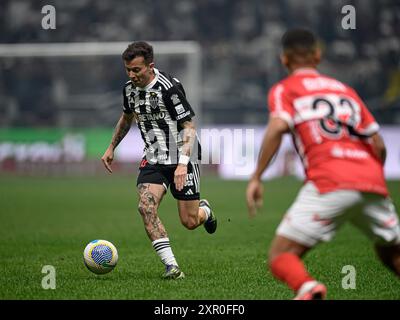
(330, 128)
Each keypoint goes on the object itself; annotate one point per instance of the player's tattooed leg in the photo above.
(148, 204)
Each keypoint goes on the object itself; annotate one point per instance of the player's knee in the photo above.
(190, 223)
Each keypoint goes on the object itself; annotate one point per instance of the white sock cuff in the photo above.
(160, 240)
(206, 210)
(161, 244)
(164, 251)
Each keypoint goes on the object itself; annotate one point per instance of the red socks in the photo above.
(289, 268)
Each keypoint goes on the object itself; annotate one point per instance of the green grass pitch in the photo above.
(49, 221)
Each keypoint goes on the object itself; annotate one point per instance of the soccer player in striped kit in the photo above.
(343, 155)
(157, 101)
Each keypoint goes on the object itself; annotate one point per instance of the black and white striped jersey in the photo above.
(160, 109)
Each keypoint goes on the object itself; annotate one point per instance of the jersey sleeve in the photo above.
(125, 104)
(367, 126)
(177, 104)
(279, 106)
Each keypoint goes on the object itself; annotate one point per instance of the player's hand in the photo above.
(107, 159)
(254, 196)
(180, 176)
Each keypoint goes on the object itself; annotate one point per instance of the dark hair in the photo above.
(299, 40)
(139, 49)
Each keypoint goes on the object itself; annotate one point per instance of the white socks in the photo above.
(164, 251)
(206, 210)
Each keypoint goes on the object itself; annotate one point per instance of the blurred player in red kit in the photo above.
(343, 155)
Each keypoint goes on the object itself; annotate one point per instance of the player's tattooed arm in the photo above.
(120, 132)
(188, 137)
(121, 129)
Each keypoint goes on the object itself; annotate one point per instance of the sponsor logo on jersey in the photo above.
(151, 116)
(179, 109)
(181, 116)
(339, 152)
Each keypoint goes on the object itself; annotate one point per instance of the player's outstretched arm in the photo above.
(270, 145)
(188, 137)
(121, 129)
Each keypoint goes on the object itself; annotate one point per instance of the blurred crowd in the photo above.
(239, 41)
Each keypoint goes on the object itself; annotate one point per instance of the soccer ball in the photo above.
(100, 256)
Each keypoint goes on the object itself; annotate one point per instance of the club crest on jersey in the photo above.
(153, 99)
(175, 99)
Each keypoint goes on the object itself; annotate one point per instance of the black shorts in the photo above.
(164, 174)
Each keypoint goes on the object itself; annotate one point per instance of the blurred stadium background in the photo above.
(58, 111)
(231, 64)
